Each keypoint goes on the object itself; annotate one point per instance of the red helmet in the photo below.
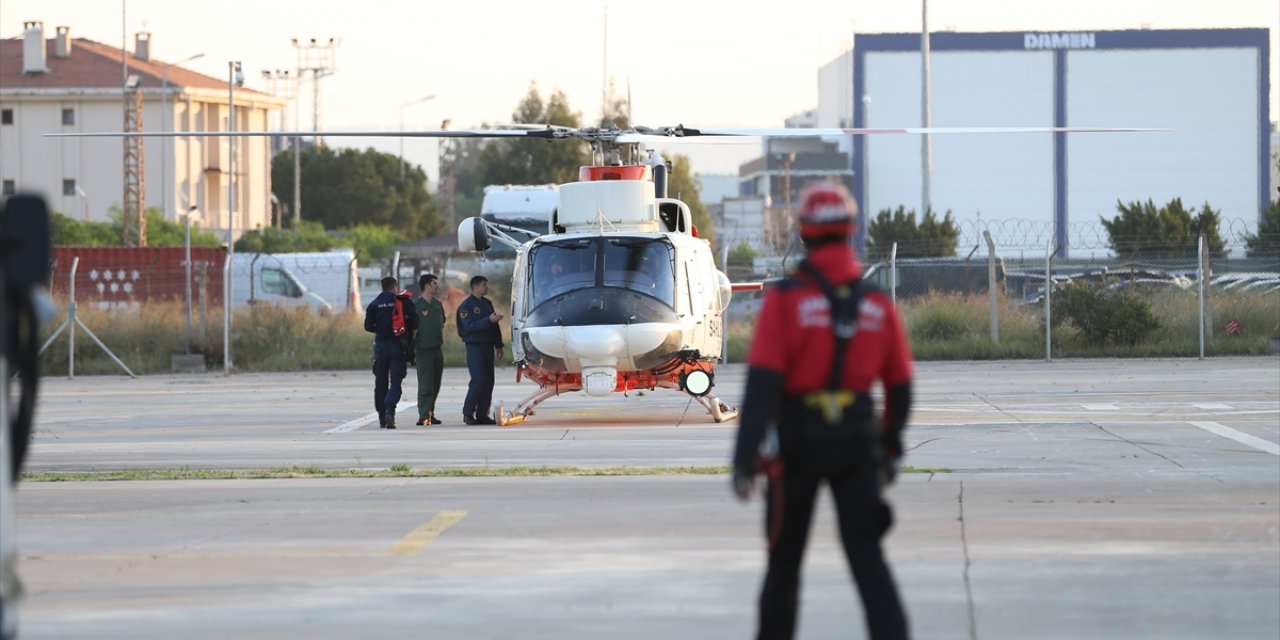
(826, 210)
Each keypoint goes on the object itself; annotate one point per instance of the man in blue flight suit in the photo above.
(390, 352)
(478, 328)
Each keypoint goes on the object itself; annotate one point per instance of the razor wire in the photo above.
(1022, 233)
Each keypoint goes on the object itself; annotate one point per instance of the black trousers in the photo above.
(480, 363)
(864, 518)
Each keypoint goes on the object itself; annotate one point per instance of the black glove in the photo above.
(890, 456)
(743, 482)
(891, 444)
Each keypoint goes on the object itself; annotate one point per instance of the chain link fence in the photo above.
(991, 301)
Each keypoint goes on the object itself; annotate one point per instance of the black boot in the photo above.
(382, 421)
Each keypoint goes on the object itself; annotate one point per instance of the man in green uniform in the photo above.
(428, 347)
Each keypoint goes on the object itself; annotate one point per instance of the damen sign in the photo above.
(1080, 40)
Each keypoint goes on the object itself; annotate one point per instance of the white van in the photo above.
(323, 281)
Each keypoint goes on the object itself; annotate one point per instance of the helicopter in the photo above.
(620, 294)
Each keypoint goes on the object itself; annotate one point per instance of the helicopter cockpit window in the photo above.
(561, 267)
(640, 264)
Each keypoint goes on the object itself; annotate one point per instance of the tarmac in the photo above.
(1065, 499)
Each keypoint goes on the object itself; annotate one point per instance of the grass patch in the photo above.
(264, 338)
(941, 327)
(929, 470)
(396, 471)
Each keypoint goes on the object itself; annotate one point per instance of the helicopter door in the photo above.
(697, 290)
(518, 285)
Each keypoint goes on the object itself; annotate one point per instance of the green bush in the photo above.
(70, 232)
(1102, 316)
(741, 255)
(934, 322)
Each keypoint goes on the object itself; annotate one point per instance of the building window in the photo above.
(68, 187)
(6, 116)
(68, 116)
(9, 188)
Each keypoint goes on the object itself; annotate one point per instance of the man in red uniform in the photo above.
(822, 340)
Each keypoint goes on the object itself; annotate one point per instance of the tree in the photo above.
(345, 188)
(370, 242)
(460, 162)
(1266, 243)
(307, 236)
(535, 161)
(173, 233)
(682, 185)
(65, 231)
(69, 232)
(931, 238)
(1171, 231)
(741, 255)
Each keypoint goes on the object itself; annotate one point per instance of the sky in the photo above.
(702, 63)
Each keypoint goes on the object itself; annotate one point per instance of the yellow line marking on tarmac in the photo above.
(418, 538)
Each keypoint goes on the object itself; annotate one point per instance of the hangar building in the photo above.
(1210, 85)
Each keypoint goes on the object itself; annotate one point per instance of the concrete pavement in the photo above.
(1100, 499)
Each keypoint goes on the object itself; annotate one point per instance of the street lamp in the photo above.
(85, 198)
(409, 103)
(861, 235)
(165, 145)
(190, 213)
(234, 77)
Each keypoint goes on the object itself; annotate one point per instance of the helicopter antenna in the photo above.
(602, 220)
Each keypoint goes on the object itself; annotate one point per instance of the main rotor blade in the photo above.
(540, 132)
(814, 133)
(628, 136)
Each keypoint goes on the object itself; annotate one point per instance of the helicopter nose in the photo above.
(598, 345)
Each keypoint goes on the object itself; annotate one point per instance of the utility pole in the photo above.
(604, 69)
(276, 79)
(135, 189)
(402, 106)
(926, 142)
(445, 189)
(167, 145)
(234, 77)
(320, 59)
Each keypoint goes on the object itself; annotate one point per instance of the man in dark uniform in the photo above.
(478, 328)
(390, 352)
(428, 343)
(822, 340)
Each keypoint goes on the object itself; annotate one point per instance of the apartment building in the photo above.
(75, 85)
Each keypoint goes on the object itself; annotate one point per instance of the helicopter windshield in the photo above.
(643, 265)
(640, 264)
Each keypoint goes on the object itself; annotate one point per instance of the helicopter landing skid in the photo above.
(720, 412)
(525, 408)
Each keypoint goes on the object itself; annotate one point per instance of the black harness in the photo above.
(830, 431)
